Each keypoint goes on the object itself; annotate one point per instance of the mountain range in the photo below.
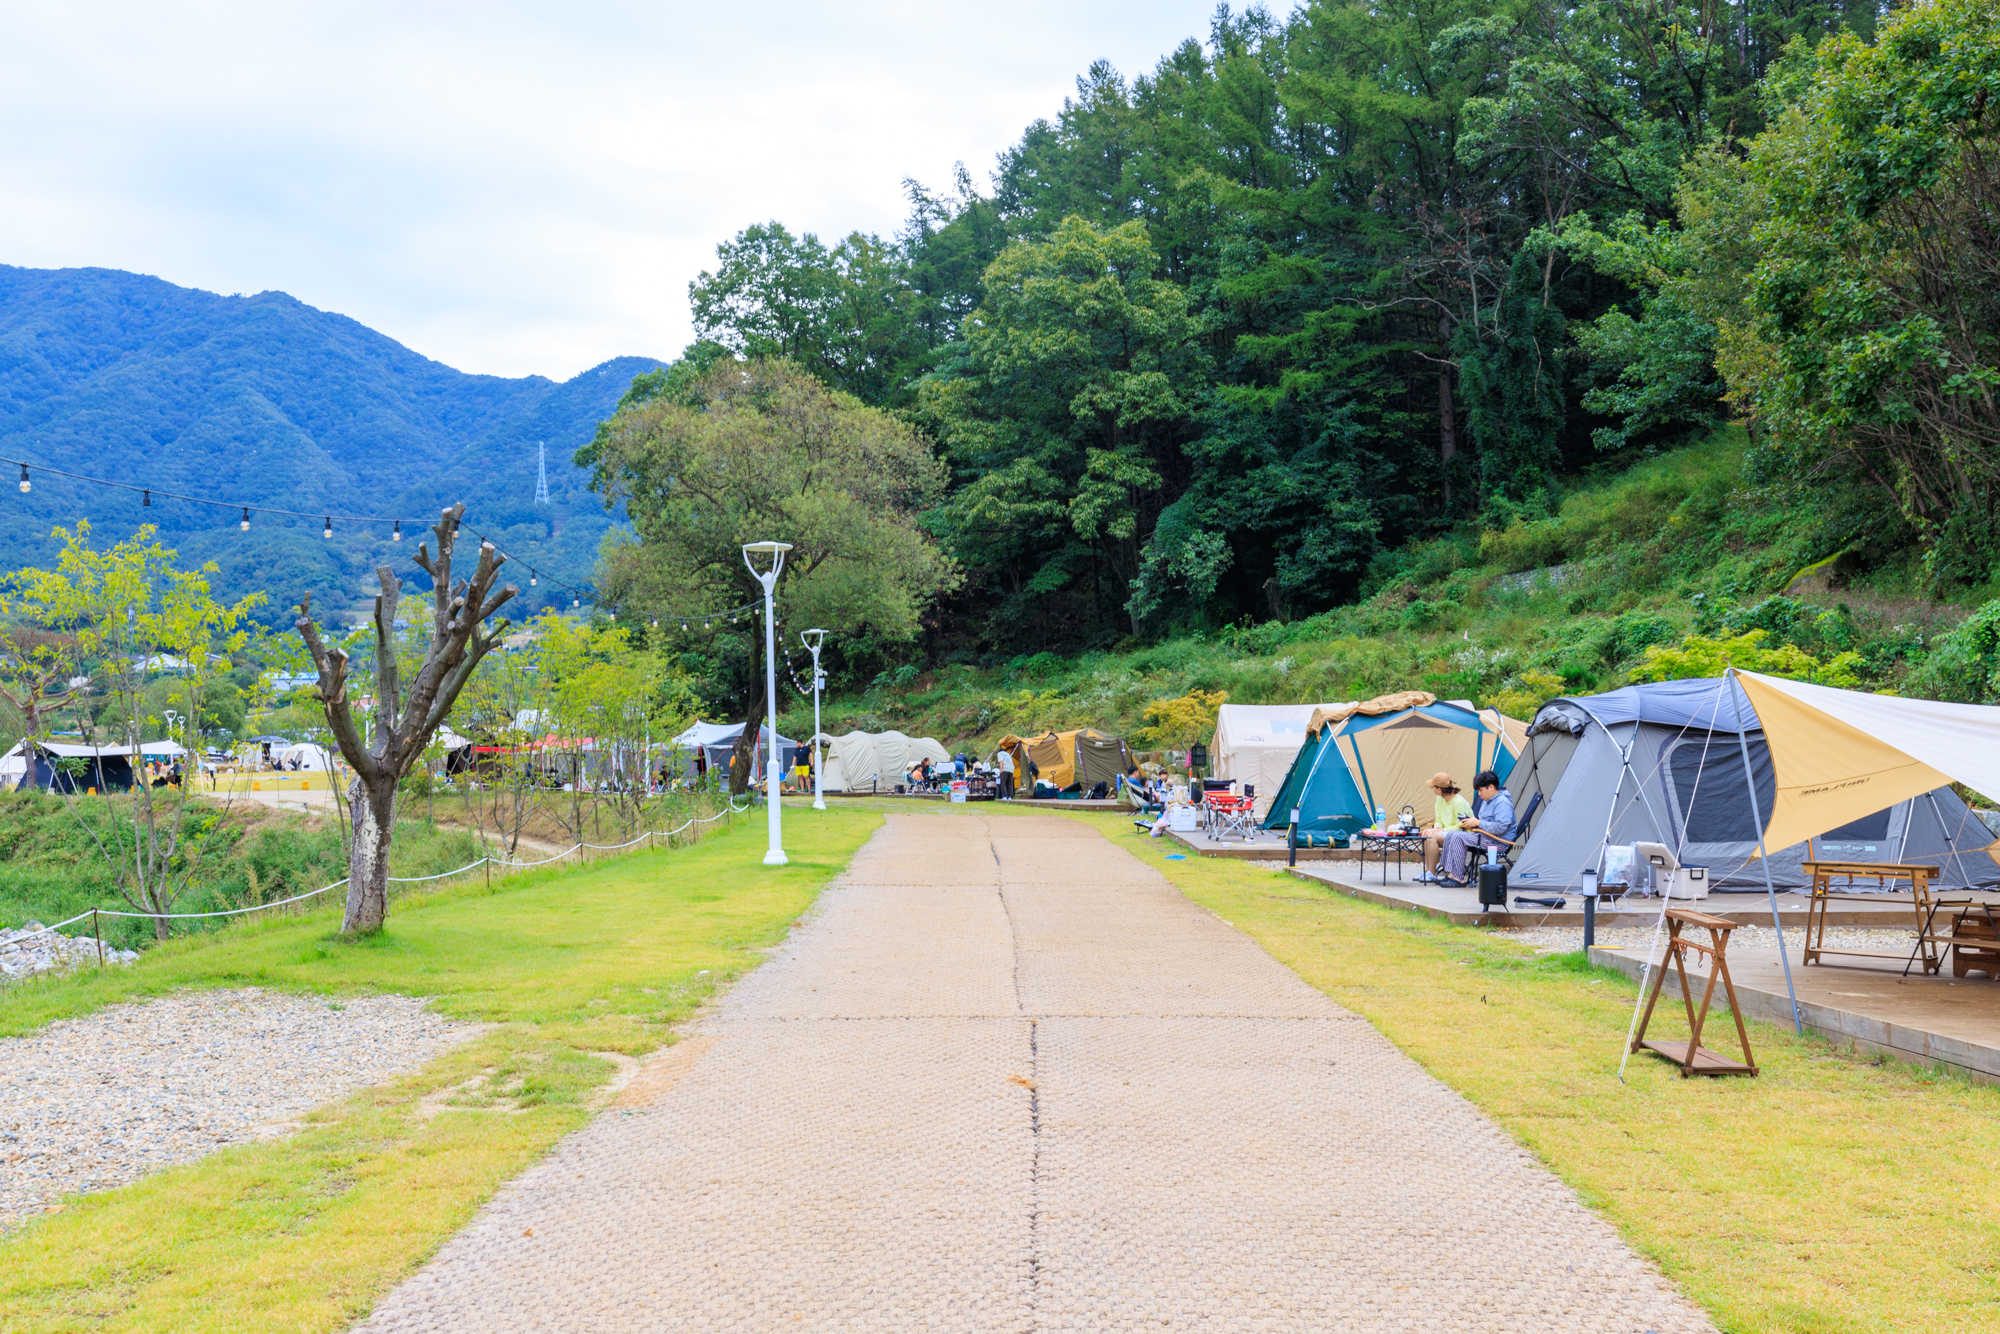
(264, 400)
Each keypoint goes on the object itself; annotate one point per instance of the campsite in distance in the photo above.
(1158, 692)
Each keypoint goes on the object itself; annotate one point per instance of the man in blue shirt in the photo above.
(1491, 822)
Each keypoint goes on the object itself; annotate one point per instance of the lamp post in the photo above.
(812, 639)
(775, 854)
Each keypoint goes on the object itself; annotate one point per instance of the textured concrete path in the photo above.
(1009, 1078)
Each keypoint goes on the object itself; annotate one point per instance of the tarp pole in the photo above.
(1763, 857)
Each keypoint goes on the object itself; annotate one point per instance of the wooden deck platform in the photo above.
(1461, 906)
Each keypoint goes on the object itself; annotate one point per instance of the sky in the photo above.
(511, 189)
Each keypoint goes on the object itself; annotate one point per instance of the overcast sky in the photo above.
(510, 189)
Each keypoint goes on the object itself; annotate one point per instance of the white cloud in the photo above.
(510, 189)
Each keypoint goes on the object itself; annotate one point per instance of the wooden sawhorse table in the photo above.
(1885, 875)
(1691, 1056)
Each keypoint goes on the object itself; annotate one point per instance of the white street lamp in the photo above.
(812, 639)
(775, 854)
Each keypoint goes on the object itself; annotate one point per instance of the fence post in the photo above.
(98, 936)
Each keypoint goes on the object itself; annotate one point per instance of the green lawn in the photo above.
(305, 1233)
(1832, 1194)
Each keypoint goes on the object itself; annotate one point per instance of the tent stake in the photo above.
(1763, 857)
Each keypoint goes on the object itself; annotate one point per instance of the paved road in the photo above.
(1008, 1078)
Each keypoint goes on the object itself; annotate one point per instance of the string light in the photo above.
(243, 513)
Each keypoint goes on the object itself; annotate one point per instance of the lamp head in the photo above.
(812, 639)
(774, 551)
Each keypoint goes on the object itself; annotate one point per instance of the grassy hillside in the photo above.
(1667, 568)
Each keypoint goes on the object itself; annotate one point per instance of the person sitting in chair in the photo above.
(1139, 793)
(1494, 822)
(1449, 812)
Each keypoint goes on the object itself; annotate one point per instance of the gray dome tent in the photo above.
(1662, 762)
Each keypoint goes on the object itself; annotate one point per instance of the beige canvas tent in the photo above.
(1084, 757)
(1255, 745)
(876, 761)
(1400, 756)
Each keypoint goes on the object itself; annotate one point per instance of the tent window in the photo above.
(1714, 802)
(1869, 828)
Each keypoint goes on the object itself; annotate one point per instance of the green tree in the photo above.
(1869, 342)
(1080, 383)
(119, 608)
(845, 313)
(763, 451)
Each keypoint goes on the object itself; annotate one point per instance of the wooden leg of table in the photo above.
(1652, 999)
(1815, 927)
(1687, 1001)
(1742, 1034)
(1701, 1019)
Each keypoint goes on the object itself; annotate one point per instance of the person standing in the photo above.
(1005, 759)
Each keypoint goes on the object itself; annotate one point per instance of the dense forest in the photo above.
(1228, 341)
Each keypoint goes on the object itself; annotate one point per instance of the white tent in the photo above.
(309, 756)
(1256, 744)
(876, 761)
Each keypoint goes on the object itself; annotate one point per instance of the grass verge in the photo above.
(1832, 1194)
(305, 1233)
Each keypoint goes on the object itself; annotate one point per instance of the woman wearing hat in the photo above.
(1446, 812)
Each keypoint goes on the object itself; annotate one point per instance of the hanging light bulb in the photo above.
(26, 485)
(246, 518)
(532, 581)
(684, 625)
(397, 536)
(145, 500)
(576, 602)
(329, 527)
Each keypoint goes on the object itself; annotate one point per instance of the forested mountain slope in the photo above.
(266, 400)
(1671, 568)
(1217, 341)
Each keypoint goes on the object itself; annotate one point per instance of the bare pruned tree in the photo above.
(404, 722)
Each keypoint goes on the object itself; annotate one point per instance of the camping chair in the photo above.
(1476, 855)
(1232, 814)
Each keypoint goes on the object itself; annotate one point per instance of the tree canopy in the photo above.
(1219, 340)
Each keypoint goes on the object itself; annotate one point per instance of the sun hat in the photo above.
(1443, 781)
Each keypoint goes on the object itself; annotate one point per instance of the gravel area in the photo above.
(89, 1104)
(1009, 1078)
(1554, 939)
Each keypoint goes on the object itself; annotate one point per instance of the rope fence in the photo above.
(731, 809)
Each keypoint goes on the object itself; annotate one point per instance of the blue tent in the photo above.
(1383, 753)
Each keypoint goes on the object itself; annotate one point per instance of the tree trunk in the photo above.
(742, 758)
(368, 855)
(1447, 428)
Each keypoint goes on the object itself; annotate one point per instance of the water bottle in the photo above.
(1381, 818)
